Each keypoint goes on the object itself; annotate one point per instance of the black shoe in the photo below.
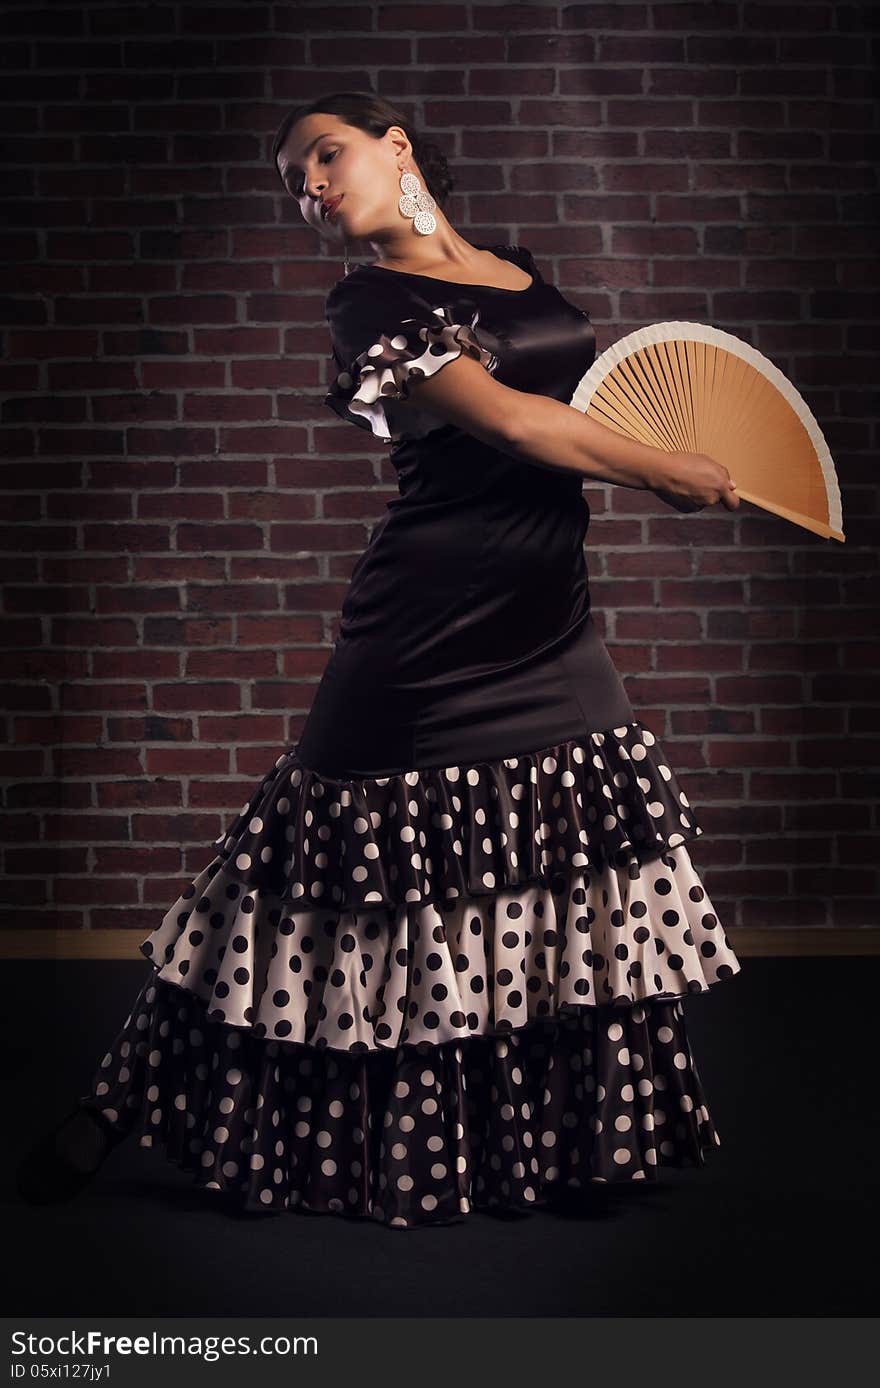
(67, 1158)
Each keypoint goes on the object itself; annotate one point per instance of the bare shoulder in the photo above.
(482, 268)
(466, 395)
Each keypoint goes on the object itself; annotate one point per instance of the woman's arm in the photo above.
(548, 433)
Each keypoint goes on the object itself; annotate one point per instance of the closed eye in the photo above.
(325, 159)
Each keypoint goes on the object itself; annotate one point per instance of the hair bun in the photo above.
(432, 162)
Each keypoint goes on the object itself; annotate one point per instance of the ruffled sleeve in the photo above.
(385, 341)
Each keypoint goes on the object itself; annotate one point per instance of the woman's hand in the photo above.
(693, 480)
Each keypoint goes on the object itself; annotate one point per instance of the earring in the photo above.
(345, 254)
(417, 204)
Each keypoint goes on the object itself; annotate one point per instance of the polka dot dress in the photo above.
(417, 1135)
(440, 833)
(408, 997)
(458, 986)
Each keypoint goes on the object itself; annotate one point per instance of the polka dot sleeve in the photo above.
(382, 349)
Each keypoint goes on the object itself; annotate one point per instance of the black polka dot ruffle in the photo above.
(443, 833)
(414, 1136)
(379, 977)
(410, 351)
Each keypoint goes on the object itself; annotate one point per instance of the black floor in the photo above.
(778, 1223)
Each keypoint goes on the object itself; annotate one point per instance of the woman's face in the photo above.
(323, 158)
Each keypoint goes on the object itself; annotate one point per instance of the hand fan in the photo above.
(692, 388)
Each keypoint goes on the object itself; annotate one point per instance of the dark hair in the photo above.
(374, 115)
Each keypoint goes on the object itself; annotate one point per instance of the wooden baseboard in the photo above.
(746, 942)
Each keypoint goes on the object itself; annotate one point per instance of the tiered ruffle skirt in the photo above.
(407, 996)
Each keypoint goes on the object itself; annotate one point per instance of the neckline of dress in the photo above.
(458, 284)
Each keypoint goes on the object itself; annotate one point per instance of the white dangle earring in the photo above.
(345, 253)
(417, 204)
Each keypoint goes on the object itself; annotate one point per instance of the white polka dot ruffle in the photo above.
(418, 1135)
(412, 350)
(444, 833)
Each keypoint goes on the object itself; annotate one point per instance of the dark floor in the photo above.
(777, 1223)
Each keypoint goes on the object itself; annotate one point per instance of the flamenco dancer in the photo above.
(439, 959)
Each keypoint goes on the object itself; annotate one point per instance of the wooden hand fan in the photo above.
(692, 388)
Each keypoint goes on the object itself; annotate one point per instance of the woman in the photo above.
(438, 961)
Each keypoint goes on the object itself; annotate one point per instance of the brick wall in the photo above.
(181, 513)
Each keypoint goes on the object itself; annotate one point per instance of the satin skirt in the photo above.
(438, 960)
(364, 722)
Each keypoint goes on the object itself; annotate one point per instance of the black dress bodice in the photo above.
(474, 580)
